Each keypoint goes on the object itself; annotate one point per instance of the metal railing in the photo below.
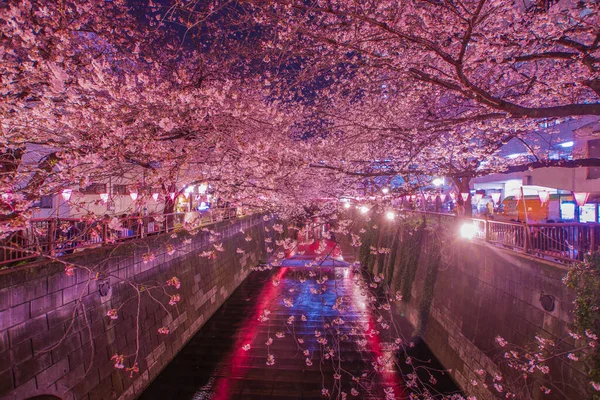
(60, 236)
(558, 242)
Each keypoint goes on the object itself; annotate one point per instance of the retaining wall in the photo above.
(48, 345)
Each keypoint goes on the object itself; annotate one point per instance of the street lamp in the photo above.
(364, 209)
(390, 215)
(385, 190)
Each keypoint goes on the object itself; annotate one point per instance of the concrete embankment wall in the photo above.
(49, 346)
(461, 294)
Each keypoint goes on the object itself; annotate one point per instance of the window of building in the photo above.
(119, 189)
(594, 152)
(44, 202)
(95, 188)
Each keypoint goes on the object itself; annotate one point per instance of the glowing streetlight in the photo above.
(468, 230)
(133, 196)
(438, 181)
(385, 190)
(155, 196)
(390, 215)
(104, 197)
(364, 209)
(346, 205)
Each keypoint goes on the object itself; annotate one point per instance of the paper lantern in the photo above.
(544, 196)
(477, 197)
(133, 196)
(464, 196)
(442, 197)
(426, 196)
(172, 195)
(496, 198)
(104, 197)
(581, 198)
(66, 194)
(155, 196)
(453, 195)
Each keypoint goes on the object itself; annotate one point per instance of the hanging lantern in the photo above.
(581, 198)
(426, 197)
(172, 195)
(202, 188)
(477, 197)
(496, 198)
(442, 197)
(133, 196)
(66, 194)
(544, 196)
(155, 196)
(453, 195)
(464, 196)
(104, 197)
(413, 197)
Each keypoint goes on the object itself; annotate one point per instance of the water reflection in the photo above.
(313, 325)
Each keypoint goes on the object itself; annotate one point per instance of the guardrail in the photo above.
(558, 242)
(59, 236)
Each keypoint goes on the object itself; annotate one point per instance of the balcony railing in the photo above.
(557, 242)
(60, 236)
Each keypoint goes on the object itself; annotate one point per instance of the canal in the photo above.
(300, 331)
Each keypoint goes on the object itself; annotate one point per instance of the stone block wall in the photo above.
(464, 294)
(55, 337)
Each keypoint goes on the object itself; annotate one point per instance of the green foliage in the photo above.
(584, 280)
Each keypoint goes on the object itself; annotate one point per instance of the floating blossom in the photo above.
(303, 318)
(573, 357)
(264, 316)
(501, 342)
(290, 320)
(187, 241)
(590, 334)
(354, 392)
(239, 251)
(174, 299)
(248, 238)
(246, 347)
(308, 362)
(218, 247)
(175, 282)
(306, 352)
(389, 393)
(163, 330)
(112, 313)
(170, 249)
(269, 341)
(275, 282)
(208, 254)
(69, 270)
(300, 340)
(288, 302)
(118, 359)
(337, 376)
(325, 392)
(146, 258)
(279, 335)
(269, 250)
(270, 359)
(133, 370)
(596, 386)
(545, 390)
